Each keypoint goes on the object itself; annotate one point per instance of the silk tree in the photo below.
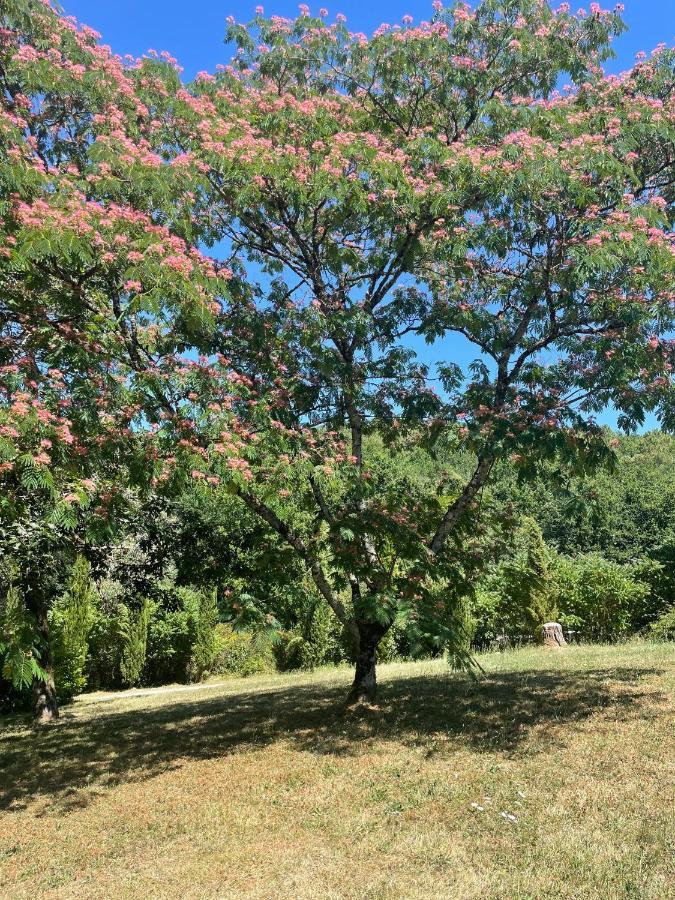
(427, 181)
(430, 180)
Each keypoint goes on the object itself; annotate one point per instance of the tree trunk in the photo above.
(364, 686)
(552, 635)
(45, 701)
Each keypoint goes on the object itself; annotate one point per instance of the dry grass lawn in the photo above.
(551, 777)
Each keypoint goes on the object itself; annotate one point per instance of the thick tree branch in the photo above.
(316, 571)
(455, 512)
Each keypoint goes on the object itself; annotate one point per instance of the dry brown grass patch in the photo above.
(269, 788)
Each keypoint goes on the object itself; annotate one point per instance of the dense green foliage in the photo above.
(663, 629)
(70, 621)
(519, 592)
(134, 628)
(18, 645)
(143, 611)
(598, 596)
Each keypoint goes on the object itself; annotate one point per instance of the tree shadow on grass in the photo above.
(68, 763)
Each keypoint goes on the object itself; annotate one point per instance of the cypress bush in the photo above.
(135, 644)
(70, 622)
(205, 648)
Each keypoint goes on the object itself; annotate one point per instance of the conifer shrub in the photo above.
(135, 631)
(70, 621)
(206, 648)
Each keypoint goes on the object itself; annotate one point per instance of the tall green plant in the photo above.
(519, 595)
(135, 630)
(70, 622)
(527, 580)
(206, 644)
(19, 650)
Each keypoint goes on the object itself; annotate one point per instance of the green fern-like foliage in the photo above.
(19, 649)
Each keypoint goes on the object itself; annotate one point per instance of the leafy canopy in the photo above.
(429, 180)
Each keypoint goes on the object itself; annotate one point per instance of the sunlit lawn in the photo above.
(551, 777)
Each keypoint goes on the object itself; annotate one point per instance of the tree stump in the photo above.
(552, 634)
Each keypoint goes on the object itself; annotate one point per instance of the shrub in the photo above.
(324, 634)
(664, 627)
(70, 622)
(387, 649)
(486, 612)
(657, 571)
(526, 595)
(292, 651)
(317, 640)
(518, 596)
(171, 637)
(106, 637)
(206, 647)
(135, 630)
(241, 653)
(597, 595)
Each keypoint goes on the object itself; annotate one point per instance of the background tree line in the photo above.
(191, 588)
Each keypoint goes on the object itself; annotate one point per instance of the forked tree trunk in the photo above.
(364, 686)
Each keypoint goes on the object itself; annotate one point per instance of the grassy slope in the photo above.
(267, 788)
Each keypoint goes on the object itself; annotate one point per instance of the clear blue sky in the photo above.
(192, 31)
